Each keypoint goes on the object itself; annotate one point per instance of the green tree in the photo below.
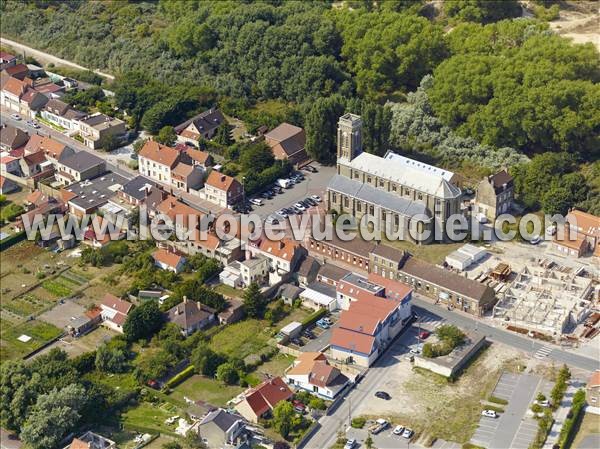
(111, 359)
(283, 417)
(53, 416)
(320, 127)
(172, 445)
(254, 301)
(205, 360)
(223, 135)
(483, 11)
(256, 158)
(143, 321)
(227, 374)
(369, 441)
(167, 136)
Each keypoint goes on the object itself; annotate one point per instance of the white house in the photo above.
(156, 161)
(168, 261)
(312, 372)
(114, 312)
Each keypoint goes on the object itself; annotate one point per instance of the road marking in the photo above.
(543, 352)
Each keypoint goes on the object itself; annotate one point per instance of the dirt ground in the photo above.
(432, 405)
(580, 21)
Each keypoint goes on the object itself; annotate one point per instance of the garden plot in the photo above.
(10, 345)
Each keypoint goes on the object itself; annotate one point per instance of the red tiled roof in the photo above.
(165, 257)
(267, 395)
(393, 289)
(16, 69)
(199, 156)
(352, 341)
(78, 444)
(221, 181)
(594, 379)
(283, 249)
(112, 302)
(35, 197)
(48, 145)
(587, 224)
(15, 86)
(172, 207)
(356, 321)
(159, 153)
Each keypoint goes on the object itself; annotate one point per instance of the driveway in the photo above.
(513, 428)
(61, 315)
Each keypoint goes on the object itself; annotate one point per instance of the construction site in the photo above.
(546, 298)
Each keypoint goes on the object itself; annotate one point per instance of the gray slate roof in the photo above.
(372, 195)
(82, 161)
(136, 188)
(224, 420)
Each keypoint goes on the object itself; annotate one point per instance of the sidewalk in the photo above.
(561, 413)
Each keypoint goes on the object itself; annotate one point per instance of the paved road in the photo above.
(508, 338)
(47, 58)
(338, 419)
(60, 137)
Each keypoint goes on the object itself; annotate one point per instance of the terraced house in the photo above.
(408, 193)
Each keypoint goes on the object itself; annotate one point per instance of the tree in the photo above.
(172, 445)
(254, 301)
(223, 135)
(369, 441)
(143, 321)
(320, 127)
(167, 136)
(205, 360)
(483, 11)
(255, 158)
(227, 373)
(53, 416)
(111, 359)
(283, 416)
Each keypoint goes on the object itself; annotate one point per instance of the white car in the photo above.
(256, 201)
(398, 430)
(544, 403)
(535, 240)
(408, 433)
(272, 219)
(350, 444)
(15, 117)
(317, 198)
(300, 206)
(415, 351)
(281, 213)
(489, 413)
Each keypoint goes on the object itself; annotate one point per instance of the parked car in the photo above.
(535, 240)
(544, 403)
(322, 324)
(350, 444)
(327, 320)
(379, 425)
(398, 430)
(281, 213)
(299, 406)
(310, 201)
(300, 206)
(15, 117)
(297, 342)
(308, 334)
(272, 219)
(415, 351)
(489, 413)
(383, 395)
(408, 433)
(256, 201)
(424, 334)
(316, 198)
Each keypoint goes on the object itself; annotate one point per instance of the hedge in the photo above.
(497, 400)
(313, 317)
(12, 239)
(180, 377)
(566, 433)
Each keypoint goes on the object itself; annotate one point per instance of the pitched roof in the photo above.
(138, 187)
(221, 181)
(289, 138)
(82, 160)
(17, 69)
(78, 444)
(182, 171)
(587, 224)
(352, 341)
(282, 249)
(267, 395)
(353, 320)
(393, 289)
(594, 379)
(111, 301)
(168, 258)
(35, 158)
(200, 157)
(222, 418)
(446, 279)
(388, 252)
(172, 207)
(15, 86)
(35, 197)
(6, 57)
(500, 178)
(159, 153)
(48, 145)
(333, 272)
(187, 314)
(204, 122)
(11, 136)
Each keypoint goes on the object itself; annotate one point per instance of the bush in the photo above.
(180, 377)
(359, 422)
(314, 317)
(566, 433)
(497, 400)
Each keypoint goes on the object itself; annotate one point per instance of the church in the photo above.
(407, 193)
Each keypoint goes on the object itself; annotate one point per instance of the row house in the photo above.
(96, 128)
(283, 255)
(62, 114)
(79, 167)
(223, 190)
(21, 97)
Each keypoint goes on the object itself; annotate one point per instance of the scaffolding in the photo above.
(548, 298)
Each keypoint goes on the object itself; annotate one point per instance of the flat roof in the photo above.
(95, 192)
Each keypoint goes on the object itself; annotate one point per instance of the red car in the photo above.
(424, 334)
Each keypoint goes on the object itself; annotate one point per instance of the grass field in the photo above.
(40, 333)
(226, 290)
(241, 339)
(59, 286)
(589, 425)
(434, 253)
(276, 366)
(149, 417)
(207, 390)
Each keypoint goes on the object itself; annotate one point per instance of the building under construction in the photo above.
(547, 298)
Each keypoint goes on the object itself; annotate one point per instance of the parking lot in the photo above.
(313, 184)
(513, 428)
(387, 440)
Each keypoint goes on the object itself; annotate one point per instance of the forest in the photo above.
(469, 85)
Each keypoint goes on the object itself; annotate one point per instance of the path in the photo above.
(48, 58)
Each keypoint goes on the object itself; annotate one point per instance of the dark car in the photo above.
(310, 168)
(310, 201)
(383, 395)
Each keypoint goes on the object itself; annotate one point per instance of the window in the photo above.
(369, 179)
(420, 196)
(394, 187)
(346, 202)
(407, 192)
(381, 183)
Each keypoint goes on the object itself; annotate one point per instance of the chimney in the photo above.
(222, 178)
(185, 300)
(567, 230)
(281, 244)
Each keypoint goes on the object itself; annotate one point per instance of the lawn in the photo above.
(147, 417)
(226, 290)
(276, 366)
(207, 390)
(241, 339)
(40, 333)
(434, 253)
(588, 425)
